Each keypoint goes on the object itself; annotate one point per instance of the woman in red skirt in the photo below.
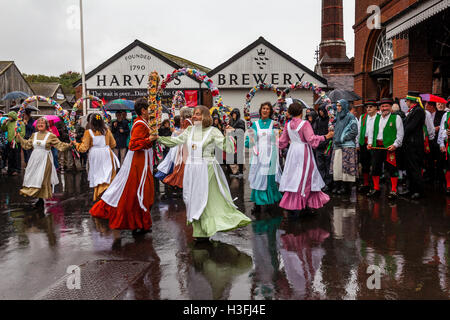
(128, 200)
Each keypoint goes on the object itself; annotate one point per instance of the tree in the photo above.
(66, 80)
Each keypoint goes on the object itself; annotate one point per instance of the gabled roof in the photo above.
(172, 60)
(46, 89)
(263, 41)
(4, 65)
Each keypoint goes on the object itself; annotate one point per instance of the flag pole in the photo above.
(83, 76)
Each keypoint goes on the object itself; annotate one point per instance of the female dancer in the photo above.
(175, 179)
(128, 200)
(301, 181)
(40, 174)
(265, 169)
(103, 163)
(209, 206)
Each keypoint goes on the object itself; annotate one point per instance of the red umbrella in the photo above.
(432, 98)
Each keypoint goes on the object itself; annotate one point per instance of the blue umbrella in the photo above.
(15, 95)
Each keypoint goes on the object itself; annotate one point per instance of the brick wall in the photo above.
(412, 69)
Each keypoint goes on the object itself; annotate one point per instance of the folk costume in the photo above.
(175, 178)
(365, 125)
(442, 141)
(386, 131)
(40, 174)
(265, 170)
(128, 200)
(301, 181)
(209, 206)
(413, 145)
(103, 163)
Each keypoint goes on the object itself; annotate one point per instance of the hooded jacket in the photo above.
(321, 125)
(346, 128)
(9, 126)
(238, 123)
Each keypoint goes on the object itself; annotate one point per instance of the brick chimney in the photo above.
(332, 43)
(333, 64)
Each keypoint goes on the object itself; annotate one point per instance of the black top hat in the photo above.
(413, 96)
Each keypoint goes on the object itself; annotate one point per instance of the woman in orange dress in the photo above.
(128, 200)
(175, 179)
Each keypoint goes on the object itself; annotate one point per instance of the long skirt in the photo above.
(344, 164)
(269, 196)
(175, 179)
(45, 191)
(218, 215)
(128, 215)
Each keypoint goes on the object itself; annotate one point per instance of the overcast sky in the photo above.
(41, 36)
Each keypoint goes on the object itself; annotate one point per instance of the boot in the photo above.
(345, 189)
(39, 204)
(337, 186)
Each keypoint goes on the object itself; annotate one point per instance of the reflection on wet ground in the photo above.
(325, 255)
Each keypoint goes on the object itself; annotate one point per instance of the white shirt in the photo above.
(430, 125)
(442, 135)
(369, 125)
(383, 120)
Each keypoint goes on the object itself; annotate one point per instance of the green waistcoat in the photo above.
(362, 134)
(389, 132)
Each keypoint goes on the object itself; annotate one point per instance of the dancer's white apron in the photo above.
(293, 170)
(195, 181)
(35, 170)
(100, 166)
(260, 163)
(113, 194)
(170, 159)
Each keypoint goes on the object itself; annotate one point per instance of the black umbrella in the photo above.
(15, 95)
(17, 107)
(338, 94)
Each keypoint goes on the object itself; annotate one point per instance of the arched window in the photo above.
(383, 53)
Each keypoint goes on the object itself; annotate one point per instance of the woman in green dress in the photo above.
(265, 169)
(209, 206)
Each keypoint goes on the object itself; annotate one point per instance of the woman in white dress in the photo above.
(103, 163)
(40, 174)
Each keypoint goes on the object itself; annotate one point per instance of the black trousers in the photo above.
(13, 158)
(323, 162)
(413, 160)
(3, 156)
(378, 160)
(365, 158)
(435, 162)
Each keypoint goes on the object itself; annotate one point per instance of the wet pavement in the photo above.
(316, 256)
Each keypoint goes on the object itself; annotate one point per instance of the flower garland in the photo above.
(281, 110)
(178, 102)
(155, 112)
(51, 102)
(251, 94)
(201, 76)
